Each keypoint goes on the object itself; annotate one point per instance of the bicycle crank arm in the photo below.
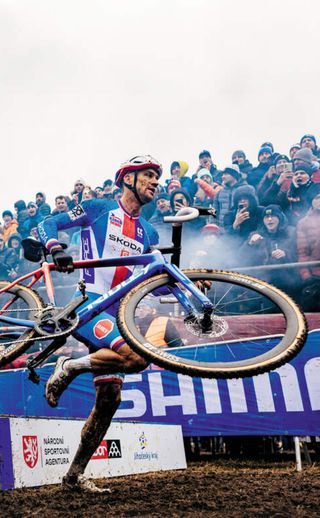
(41, 357)
(53, 321)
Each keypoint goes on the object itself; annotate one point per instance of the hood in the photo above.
(245, 191)
(20, 205)
(181, 191)
(16, 235)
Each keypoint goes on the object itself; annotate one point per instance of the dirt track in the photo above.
(222, 488)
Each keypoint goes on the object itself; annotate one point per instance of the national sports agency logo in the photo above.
(30, 450)
(102, 328)
(108, 449)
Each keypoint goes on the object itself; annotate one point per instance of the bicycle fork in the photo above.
(204, 319)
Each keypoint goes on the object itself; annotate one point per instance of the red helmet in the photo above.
(211, 228)
(135, 164)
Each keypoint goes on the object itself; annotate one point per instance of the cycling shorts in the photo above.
(101, 333)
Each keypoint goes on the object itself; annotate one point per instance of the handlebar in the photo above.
(183, 215)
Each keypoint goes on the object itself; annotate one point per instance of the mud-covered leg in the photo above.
(108, 397)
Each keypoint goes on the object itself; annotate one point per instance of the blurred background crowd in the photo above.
(267, 214)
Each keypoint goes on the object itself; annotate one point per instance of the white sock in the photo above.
(82, 364)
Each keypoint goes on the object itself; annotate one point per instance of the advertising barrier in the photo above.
(285, 401)
(35, 452)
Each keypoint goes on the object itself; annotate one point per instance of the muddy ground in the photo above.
(216, 488)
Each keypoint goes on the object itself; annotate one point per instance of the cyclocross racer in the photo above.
(108, 229)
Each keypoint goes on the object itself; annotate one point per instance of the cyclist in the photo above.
(108, 229)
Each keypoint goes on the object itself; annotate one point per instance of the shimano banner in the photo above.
(285, 401)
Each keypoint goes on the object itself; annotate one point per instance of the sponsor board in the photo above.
(43, 449)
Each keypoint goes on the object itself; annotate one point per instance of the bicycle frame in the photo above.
(153, 264)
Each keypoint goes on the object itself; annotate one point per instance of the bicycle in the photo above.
(231, 325)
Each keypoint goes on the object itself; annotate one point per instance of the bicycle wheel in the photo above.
(22, 303)
(255, 326)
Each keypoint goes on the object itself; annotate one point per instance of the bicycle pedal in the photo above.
(33, 376)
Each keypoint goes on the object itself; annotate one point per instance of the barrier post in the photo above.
(298, 453)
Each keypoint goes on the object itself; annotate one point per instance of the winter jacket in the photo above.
(224, 200)
(9, 229)
(245, 169)
(256, 174)
(241, 233)
(295, 202)
(308, 242)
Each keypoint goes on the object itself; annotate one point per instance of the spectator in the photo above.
(272, 243)
(210, 250)
(295, 202)
(309, 141)
(43, 207)
(179, 199)
(22, 213)
(32, 221)
(305, 157)
(61, 205)
(162, 209)
(245, 216)
(178, 170)
(88, 193)
(14, 243)
(76, 194)
(223, 201)
(279, 175)
(308, 248)
(256, 173)
(173, 185)
(99, 192)
(207, 189)
(9, 226)
(205, 161)
(239, 158)
(268, 144)
(108, 188)
(293, 150)
(8, 261)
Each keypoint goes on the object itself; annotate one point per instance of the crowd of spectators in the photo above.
(266, 214)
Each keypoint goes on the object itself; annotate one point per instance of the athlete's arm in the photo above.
(80, 216)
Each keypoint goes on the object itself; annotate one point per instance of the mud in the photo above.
(218, 488)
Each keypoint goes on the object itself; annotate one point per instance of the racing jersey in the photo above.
(107, 231)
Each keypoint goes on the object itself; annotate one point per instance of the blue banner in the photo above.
(285, 401)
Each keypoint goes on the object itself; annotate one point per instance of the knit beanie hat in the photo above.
(7, 213)
(210, 228)
(303, 167)
(161, 196)
(312, 137)
(295, 146)
(234, 170)
(305, 155)
(203, 172)
(174, 184)
(280, 157)
(238, 153)
(264, 149)
(272, 210)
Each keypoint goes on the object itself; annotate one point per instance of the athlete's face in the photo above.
(146, 185)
